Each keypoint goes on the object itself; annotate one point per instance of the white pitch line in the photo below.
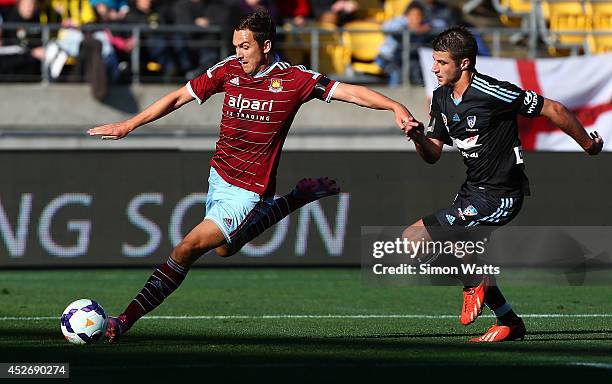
(592, 365)
(339, 317)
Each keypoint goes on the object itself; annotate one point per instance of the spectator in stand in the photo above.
(390, 54)
(95, 56)
(155, 51)
(442, 16)
(337, 12)
(239, 9)
(192, 58)
(5, 7)
(70, 13)
(439, 15)
(293, 12)
(110, 10)
(21, 49)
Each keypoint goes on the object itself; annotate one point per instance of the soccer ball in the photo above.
(84, 322)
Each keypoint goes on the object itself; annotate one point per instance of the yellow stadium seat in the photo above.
(518, 6)
(570, 16)
(334, 57)
(602, 21)
(600, 44)
(516, 10)
(363, 45)
(602, 15)
(513, 12)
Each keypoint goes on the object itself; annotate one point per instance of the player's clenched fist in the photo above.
(596, 144)
(413, 129)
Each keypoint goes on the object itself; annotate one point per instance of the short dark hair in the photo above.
(261, 24)
(414, 5)
(459, 42)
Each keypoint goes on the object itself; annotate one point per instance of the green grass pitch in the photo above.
(242, 324)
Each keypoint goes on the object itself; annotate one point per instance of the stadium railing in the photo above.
(321, 49)
(48, 32)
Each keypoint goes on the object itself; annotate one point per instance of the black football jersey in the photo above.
(482, 124)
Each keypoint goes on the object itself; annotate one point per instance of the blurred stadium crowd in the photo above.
(177, 39)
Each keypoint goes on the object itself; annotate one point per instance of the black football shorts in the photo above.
(472, 208)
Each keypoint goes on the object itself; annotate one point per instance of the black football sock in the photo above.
(508, 318)
(495, 300)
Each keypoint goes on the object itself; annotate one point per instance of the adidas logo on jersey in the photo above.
(235, 81)
(456, 117)
(450, 219)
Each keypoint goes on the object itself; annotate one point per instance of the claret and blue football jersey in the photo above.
(257, 114)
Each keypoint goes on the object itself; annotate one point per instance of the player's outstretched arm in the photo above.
(369, 98)
(564, 119)
(171, 102)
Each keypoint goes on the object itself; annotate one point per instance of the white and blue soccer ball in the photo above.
(84, 322)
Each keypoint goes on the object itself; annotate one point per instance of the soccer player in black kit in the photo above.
(478, 113)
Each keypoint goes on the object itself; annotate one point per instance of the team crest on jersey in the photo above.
(228, 221)
(276, 85)
(470, 211)
(471, 121)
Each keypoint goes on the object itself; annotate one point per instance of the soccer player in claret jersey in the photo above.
(478, 113)
(262, 97)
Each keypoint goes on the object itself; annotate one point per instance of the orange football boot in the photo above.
(499, 333)
(473, 301)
